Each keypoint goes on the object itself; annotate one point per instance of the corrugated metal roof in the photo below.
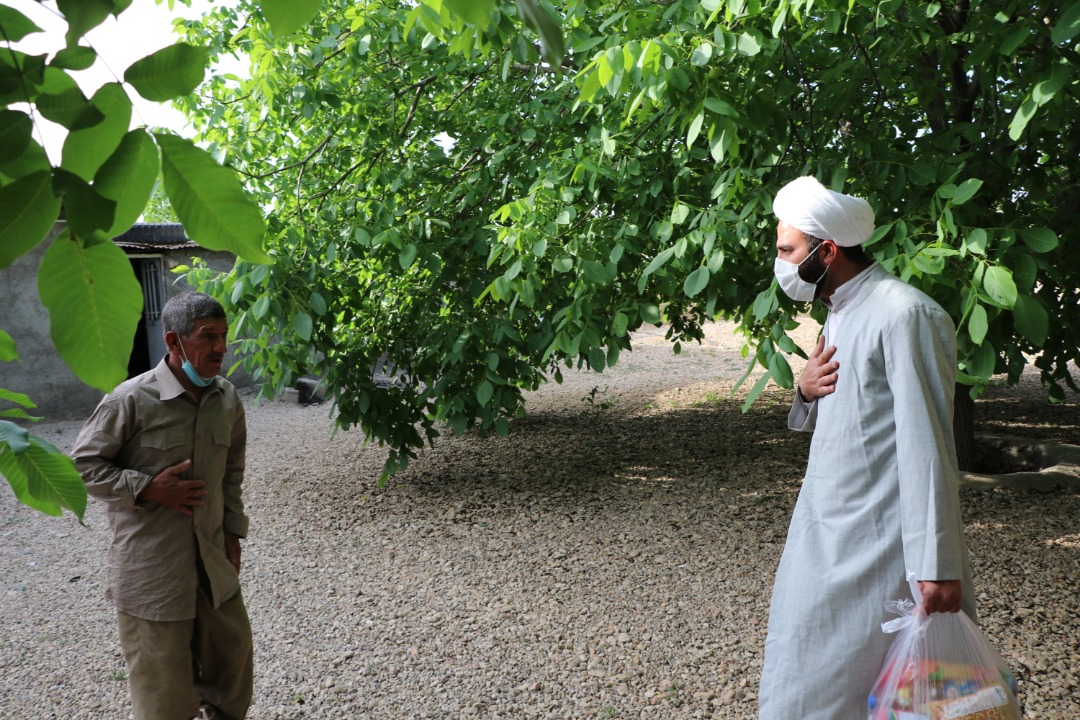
(155, 236)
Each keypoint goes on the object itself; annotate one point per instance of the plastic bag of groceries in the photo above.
(940, 667)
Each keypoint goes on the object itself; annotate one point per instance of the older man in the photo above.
(165, 451)
(880, 497)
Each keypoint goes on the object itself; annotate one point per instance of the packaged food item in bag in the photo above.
(940, 667)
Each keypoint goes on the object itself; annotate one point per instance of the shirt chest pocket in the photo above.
(165, 447)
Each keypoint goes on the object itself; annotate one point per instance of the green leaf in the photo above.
(748, 44)
(484, 393)
(780, 370)
(94, 304)
(87, 212)
(765, 303)
(1068, 25)
(302, 325)
(702, 54)
(983, 361)
(721, 107)
(537, 19)
(14, 26)
(977, 324)
(595, 273)
(168, 73)
(477, 12)
(74, 58)
(650, 313)
(695, 129)
(966, 191)
(657, 261)
(999, 285)
(756, 391)
(288, 16)
(1021, 118)
(44, 478)
(19, 414)
(975, 241)
(28, 210)
(1031, 320)
(15, 130)
(597, 359)
(696, 281)
(17, 398)
(407, 255)
(1045, 90)
(260, 306)
(83, 15)
(16, 438)
(69, 108)
(127, 178)
(85, 150)
(1040, 240)
(208, 199)
(315, 300)
(619, 324)
(7, 348)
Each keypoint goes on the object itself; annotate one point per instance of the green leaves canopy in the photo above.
(456, 218)
(103, 182)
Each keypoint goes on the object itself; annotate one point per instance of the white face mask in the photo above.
(787, 274)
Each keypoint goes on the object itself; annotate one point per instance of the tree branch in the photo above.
(298, 163)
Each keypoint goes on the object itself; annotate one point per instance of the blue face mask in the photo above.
(196, 379)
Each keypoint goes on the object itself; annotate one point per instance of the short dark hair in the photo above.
(181, 312)
(854, 253)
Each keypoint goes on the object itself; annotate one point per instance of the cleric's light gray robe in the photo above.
(880, 497)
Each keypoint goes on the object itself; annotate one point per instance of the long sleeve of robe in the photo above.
(880, 497)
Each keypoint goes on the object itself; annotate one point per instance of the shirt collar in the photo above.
(846, 293)
(168, 386)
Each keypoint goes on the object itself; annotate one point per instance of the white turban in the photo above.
(806, 204)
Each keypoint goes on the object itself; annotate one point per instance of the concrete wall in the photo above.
(40, 372)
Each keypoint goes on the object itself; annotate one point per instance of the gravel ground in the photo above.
(611, 558)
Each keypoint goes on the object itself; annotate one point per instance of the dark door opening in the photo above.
(149, 346)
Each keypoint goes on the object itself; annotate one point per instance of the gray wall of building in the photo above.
(39, 372)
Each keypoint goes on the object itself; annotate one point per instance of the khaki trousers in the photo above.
(174, 667)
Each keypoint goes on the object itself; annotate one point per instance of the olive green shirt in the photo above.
(159, 556)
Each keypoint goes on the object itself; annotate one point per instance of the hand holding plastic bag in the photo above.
(940, 667)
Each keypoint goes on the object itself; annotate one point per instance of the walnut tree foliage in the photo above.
(459, 207)
(99, 188)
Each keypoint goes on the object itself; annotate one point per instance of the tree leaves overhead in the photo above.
(128, 177)
(42, 477)
(288, 16)
(15, 129)
(94, 304)
(14, 26)
(74, 58)
(209, 201)
(70, 108)
(83, 15)
(476, 218)
(85, 281)
(85, 150)
(537, 19)
(477, 12)
(168, 73)
(28, 210)
(1068, 25)
(7, 348)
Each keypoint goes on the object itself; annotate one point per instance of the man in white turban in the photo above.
(881, 494)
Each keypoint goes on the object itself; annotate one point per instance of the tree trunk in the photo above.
(964, 427)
